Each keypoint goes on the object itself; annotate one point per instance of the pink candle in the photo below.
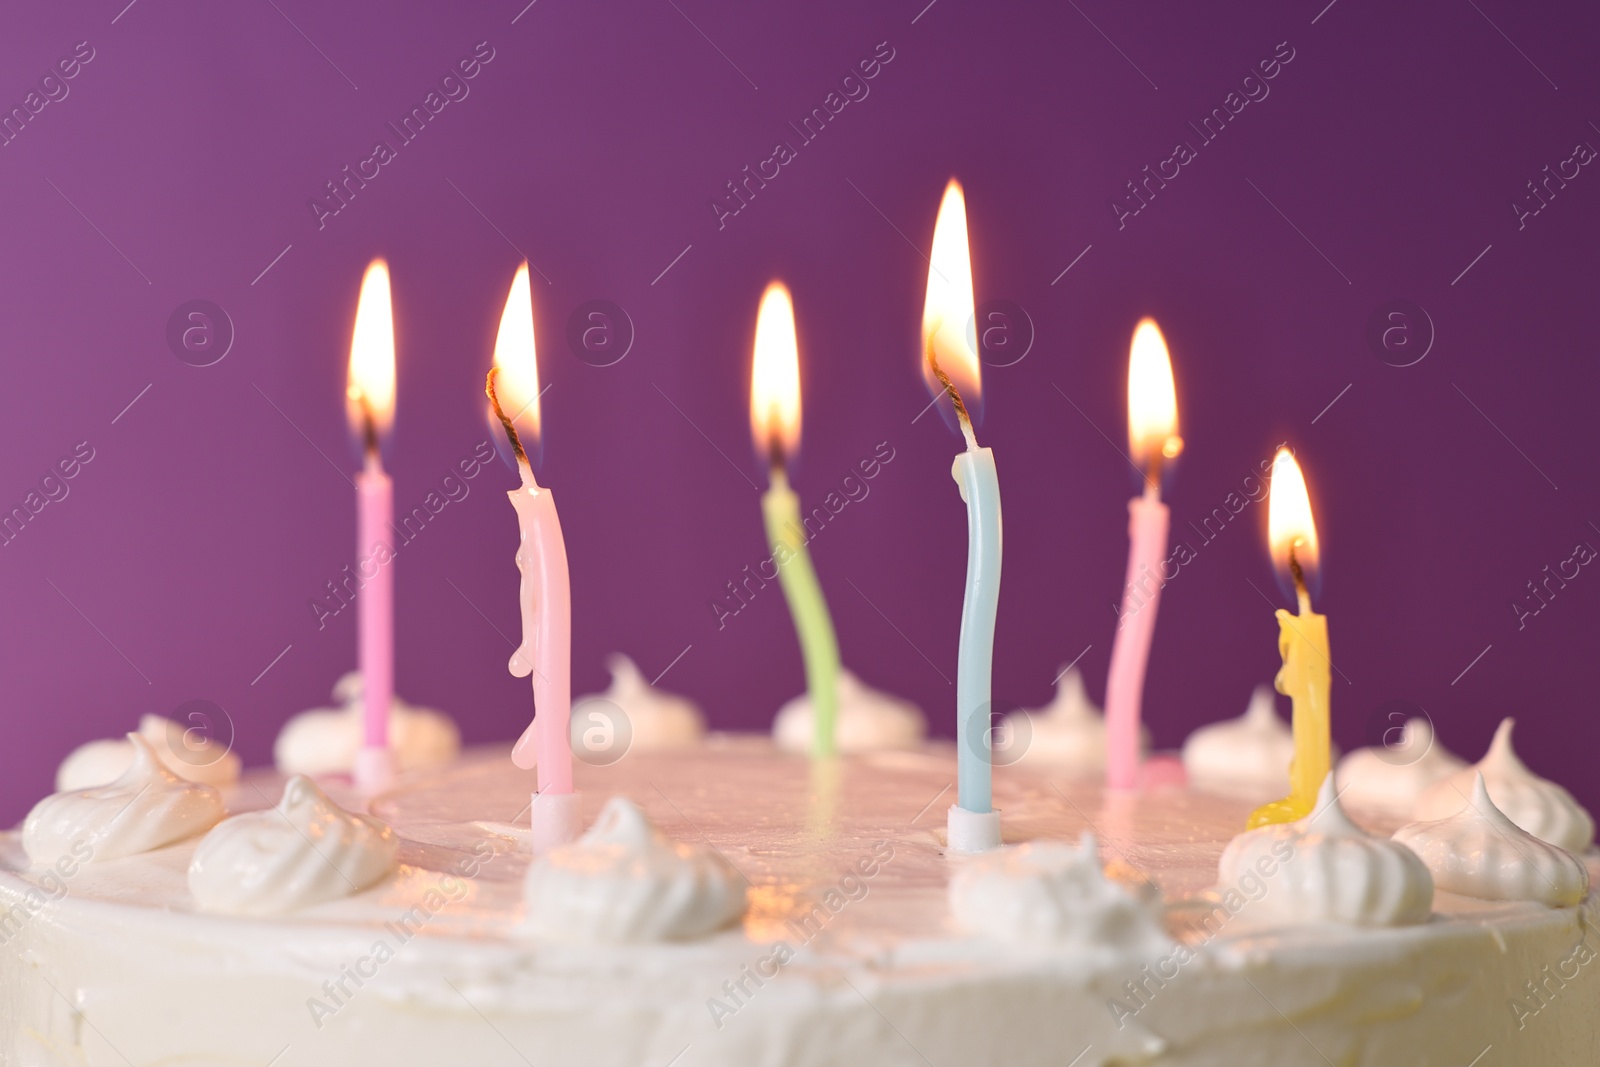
(1152, 438)
(369, 399)
(1136, 627)
(546, 649)
(545, 596)
(375, 511)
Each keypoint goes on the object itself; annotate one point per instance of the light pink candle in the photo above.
(545, 596)
(546, 649)
(375, 511)
(1136, 627)
(1152, 438)
(369, 401)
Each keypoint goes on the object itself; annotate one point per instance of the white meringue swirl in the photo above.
(1248, 756)
(1391, 779)
(1478, 852)
(656, 718)
(305, 851)
(1326, 869)
(1069, 733)
(146, 808)
(1536, 804)
(868, 720)
(326, 740)
(1050, 892)
(625, 882)
(185, 752)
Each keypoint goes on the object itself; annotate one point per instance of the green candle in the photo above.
(780, 507)
(775, 426)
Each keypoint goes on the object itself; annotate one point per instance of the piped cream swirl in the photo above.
(869, 720)
(325, 740)
(656, 718)
(623, 881)
(1390, 779)
(1054, 893)
(1536, 804)
(1069, 733)
(145, 808)
(1247, 756)
(1326, 869)
(185, 751)
(1478, 852)
(305, 851)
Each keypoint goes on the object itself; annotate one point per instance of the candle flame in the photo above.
(775, 377)
(949, 337)
(369, 388)
(1291, 531)
(516, 368)
(1152, 399)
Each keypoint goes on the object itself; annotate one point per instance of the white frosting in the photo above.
(122, 942)
(326, 740)
(145, 808)
(305, 851)
(624, 881)
(656, 718)
(1069, 733)
(868, 720)
(185, 752)
(1536, 804)
(1326, 869)
(1478, 852)
(1391, 779)
(1247, 756)
(1050, 892)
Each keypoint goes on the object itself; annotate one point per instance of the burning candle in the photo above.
(369, 405)
(545, 593)
(1306, 674)
(950, 369)
(1152, 439)
(775, 427)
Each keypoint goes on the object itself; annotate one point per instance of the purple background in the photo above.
(181, 164)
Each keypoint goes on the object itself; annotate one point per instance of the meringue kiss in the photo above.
(1536, 804)
(1478, 852)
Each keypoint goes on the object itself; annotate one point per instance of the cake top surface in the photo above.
(849, 852)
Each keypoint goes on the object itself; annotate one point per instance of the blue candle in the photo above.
(974, 473)
(950, 368)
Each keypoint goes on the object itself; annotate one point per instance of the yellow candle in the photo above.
(1306, 675)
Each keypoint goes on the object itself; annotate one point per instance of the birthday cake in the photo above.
(734, 904)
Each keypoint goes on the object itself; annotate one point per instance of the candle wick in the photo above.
(1152, 476)
(369, 428)
(777, 462)
(1299, 575)
(511, 431)
(962, 416)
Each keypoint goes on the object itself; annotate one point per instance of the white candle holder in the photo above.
(556, 820)
(972, 831)
(374, 770)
